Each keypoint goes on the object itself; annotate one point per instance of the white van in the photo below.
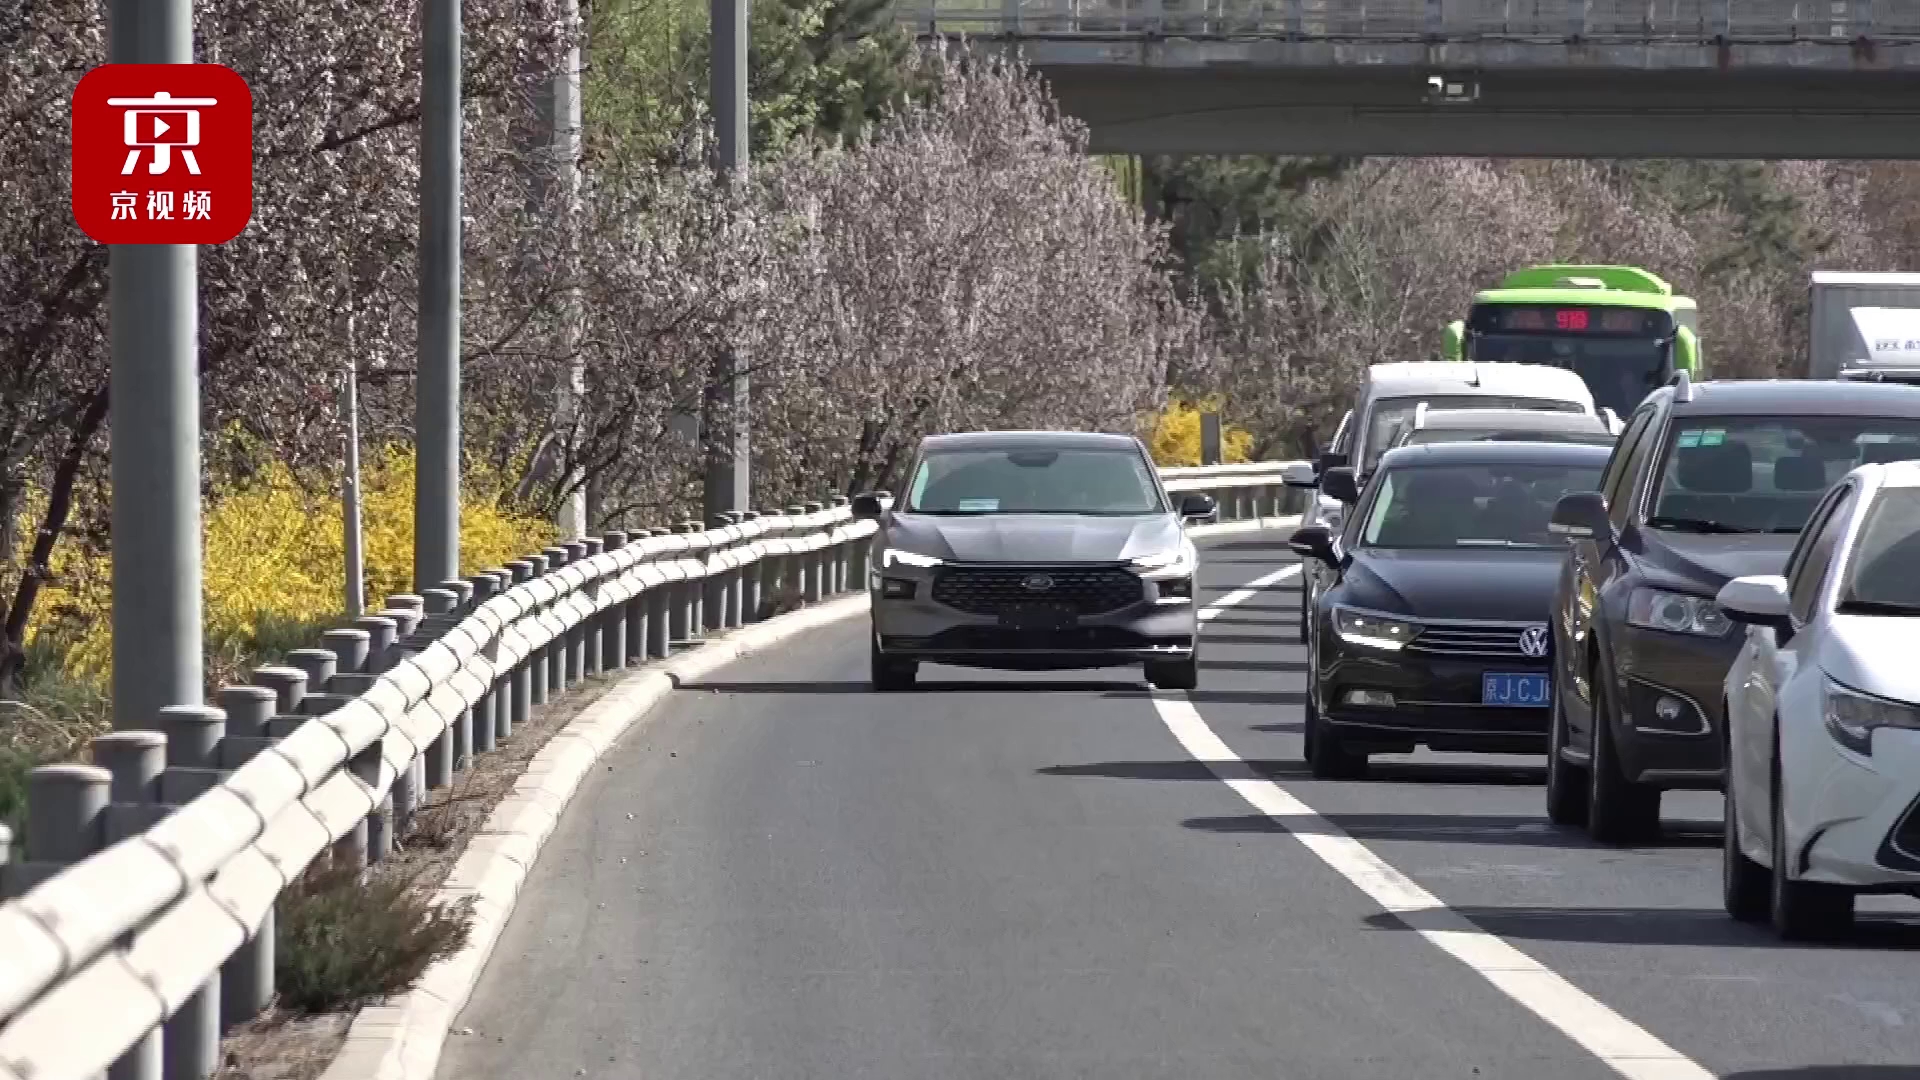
(1388, 396)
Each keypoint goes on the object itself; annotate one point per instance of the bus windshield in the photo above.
(1619, 370)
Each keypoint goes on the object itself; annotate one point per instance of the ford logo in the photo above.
(1533, 641)
(1036, 583)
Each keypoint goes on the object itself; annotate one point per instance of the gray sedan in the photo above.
(1034, 551)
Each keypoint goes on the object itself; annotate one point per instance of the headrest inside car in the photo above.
(1725, 469)
(1800, 472)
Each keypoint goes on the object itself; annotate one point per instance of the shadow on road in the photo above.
(1291, 727)
(1655, 926)
(1830, 1073)
(1187, 769)
(1229, 697)
(1278, 547)
(1254, 665)
(957, 686)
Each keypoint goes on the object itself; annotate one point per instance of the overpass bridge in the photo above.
(1507, 78)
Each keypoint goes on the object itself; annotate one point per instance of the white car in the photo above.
(1823, 713)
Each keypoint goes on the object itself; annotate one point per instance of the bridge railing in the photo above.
(142, 926)
(1603, 21)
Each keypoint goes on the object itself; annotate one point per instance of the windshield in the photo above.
(1034, 480)
(1389, 414)
(1760, 474)
(1455, 506)
(1436, 435)
(1619, 371)
(1880, 574)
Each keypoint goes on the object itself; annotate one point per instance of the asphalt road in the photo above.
(785, 876)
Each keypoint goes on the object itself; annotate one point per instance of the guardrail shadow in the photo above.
(1184, 769)
(952, 686)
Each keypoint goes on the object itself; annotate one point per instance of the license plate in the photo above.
(1037, 618)
(1528, 691)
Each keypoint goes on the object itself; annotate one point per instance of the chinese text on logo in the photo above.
(162, 154)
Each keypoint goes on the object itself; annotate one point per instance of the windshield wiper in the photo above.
(1878, 607)
(1694, 525)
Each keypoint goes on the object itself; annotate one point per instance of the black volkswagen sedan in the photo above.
(1434, 632)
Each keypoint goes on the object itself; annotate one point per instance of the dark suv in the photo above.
(1709, 482)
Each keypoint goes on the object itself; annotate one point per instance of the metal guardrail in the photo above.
(143, 926)
(1676, 21)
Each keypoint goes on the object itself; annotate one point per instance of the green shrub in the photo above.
(343, 940)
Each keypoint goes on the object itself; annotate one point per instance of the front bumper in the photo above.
(918, 627)
(1855, 820)
(1668, 690)
(1436, 700)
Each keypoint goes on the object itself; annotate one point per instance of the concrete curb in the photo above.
(402, 1040)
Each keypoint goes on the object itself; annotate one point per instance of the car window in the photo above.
(1804, 587)
(1613, 482)
(1883, 571)
(1034, 480)
(1343, 435)
(1760, 474)
(1504, 504)
(1621, 510)
(1388, 414)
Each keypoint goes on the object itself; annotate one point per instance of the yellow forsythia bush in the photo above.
(1176, 434)
(275, 557)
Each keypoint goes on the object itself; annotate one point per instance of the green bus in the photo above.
(1620, 328)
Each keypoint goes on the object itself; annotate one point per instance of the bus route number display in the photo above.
(1571, 320)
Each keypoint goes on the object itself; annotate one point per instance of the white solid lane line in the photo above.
(1626, 1047)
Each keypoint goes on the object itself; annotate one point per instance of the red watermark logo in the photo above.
(162, 154)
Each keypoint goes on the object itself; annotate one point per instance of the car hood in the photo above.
(1874, 654)
(1496, 584)
(1711, 561)
(1034, 538)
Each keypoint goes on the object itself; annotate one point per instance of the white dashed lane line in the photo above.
(1627, 1048)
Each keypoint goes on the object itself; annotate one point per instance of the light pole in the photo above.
(729, 481)
(436, 500)
(153, 302)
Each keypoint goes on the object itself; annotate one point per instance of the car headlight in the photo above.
(1165, 565)
(1852, 716)
(1676, 613)
(893, 557)
(1373, 630)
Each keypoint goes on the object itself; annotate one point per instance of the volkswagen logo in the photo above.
(1533, 641)
(1036, 583)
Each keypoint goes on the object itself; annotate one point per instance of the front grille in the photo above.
(1470, 639)
(1077, 590)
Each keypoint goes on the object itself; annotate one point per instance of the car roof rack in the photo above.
(1682, 384)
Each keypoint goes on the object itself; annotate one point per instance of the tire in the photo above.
(1802, 910)
(1567, 784)
(1619, 811)
(1328, 757)
(1174, 674)
(888, 674)
(1746, 887)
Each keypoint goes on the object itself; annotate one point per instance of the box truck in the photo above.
(1864, 326)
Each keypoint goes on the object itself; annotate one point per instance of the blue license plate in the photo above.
(1529, 691)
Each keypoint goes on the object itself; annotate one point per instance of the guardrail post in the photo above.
(793, 565)
(381, 633)
(613, 621)
(486, 722)
(660, 607)
(519, 700)
(351, 649)
(577, 637)
(713, 587)
(696, 592)
(289, 685)
(681, 609)
(376, 827)
(816, 564)
(592, 632)
(636, 613)
(841, 571)
(448, 752)
(537, 659)
(556, 651)
(751, 571)
(246, 979)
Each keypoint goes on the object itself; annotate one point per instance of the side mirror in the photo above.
(1313, 542)
(868, 505)
(1761, 600)
(1329, 460)
(1198, 506)
(1338, 483)
(1580, 515)
(1299, 475)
